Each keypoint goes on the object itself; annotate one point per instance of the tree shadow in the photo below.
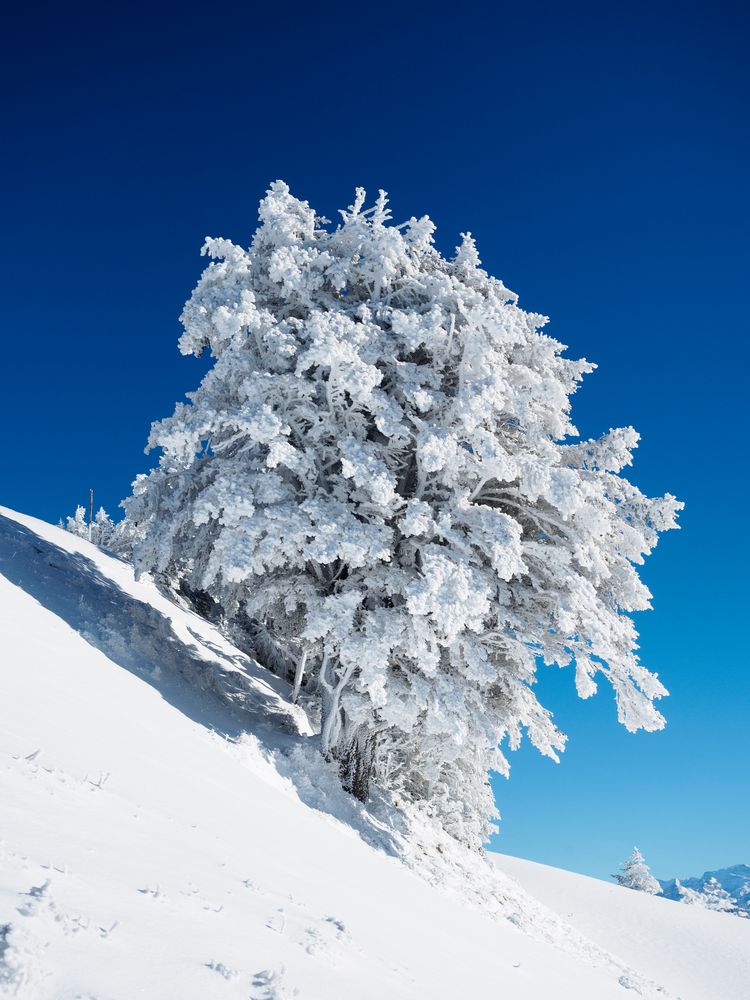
(141, 639)
(225, 692)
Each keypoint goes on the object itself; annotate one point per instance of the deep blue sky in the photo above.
(600, 156)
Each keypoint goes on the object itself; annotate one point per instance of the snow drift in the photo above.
(167, 832)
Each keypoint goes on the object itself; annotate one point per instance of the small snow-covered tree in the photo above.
(716, 897)
(691, 897)
(635, 874)
(77, 524)
(103, 528)
(101, 531)
(379, 479)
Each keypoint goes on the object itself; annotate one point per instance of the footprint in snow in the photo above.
(223, 970)
(339, 926)
(155, 893)
(269, 985)
(39, 904)
(326, 939)
(277, 922)
(35, 899)
(193, 893)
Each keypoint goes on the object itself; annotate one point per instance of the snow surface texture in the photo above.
(168, 831)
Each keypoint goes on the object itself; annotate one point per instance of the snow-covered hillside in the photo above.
(166, 831)
(693, 952)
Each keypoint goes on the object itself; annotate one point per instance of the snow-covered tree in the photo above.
(101, 531)
(691, 897)
(379, 479)
(77, 524)
(716, 897)
(103, 528)
(635, 874)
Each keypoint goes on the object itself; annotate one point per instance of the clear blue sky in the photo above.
(599, 153)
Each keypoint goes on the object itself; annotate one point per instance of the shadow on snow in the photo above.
(229, 694)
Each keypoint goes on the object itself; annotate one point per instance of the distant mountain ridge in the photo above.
(734, 880)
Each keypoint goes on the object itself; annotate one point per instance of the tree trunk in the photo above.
(356, 758)
(351, 748)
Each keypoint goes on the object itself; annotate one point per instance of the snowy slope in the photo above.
(696, 954)
(165, 831)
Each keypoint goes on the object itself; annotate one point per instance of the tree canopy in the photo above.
(379, 481)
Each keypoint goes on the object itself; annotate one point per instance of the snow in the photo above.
(696, 954)
(165, 833)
